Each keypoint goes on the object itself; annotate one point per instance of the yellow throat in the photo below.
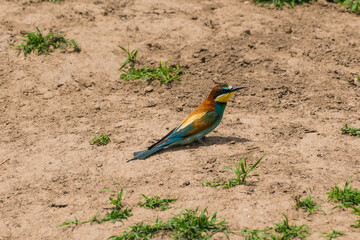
(224, 98)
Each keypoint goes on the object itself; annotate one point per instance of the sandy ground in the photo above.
(296, 62)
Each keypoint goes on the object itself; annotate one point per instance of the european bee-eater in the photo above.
(200, 122)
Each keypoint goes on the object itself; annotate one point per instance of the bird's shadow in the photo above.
(208, 141)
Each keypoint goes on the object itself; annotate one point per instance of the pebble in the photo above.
(149, 89)
(187, 183)
(150, 104)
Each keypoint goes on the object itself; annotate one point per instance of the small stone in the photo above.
(289, 31)
(232, 142)
(150, 104)
(149, 89)
(99, 164)
(119, 125)
(195, 55)
(187, 183)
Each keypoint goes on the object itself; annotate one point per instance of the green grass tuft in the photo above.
(291, 231)
(356, 225)
(308, 204)
(131, 57)
(37, 42)
(352, 131)
(348, 198)
(241, 170)
(117, 214)
(187, 225)
(142, 231)
(280, 3)
(100, 141)
(164, 73)
(282, 231)
(352, 5)
(156, 202)
(333, 234)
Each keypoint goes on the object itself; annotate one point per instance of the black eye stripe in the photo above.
(220, 92)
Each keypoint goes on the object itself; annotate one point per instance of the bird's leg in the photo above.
(201, 140)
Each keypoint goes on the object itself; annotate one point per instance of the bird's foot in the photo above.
(201, 140)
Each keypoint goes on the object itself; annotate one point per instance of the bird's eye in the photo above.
(220, 92)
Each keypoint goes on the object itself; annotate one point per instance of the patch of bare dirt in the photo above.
(297, 63)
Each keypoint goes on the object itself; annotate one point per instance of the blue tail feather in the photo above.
(144, 154)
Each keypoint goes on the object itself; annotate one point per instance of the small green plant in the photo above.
(100, 141)
(356, 224)
(163, 73)
(348, 198)
(131, 57)
(352, 131)
(211, 184)
(282, 231)
(308, 204)
(36, 41)
(75, 45)
(333, 234)
(352, 5)
(291, 231)
(280, 3)
(117, 214)
(186, 225)
(241, 170)
(156, 202)
(142, 231)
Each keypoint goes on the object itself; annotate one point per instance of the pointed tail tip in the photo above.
(134, 158)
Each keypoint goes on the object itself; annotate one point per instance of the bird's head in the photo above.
(223, 92)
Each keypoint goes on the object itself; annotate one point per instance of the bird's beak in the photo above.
(236, 88)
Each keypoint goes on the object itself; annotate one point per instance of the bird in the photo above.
(200, 122)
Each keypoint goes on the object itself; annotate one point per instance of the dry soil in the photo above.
(297, 65)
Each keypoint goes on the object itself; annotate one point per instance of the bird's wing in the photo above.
(196, 123)
(190, 119)
(192, 125)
